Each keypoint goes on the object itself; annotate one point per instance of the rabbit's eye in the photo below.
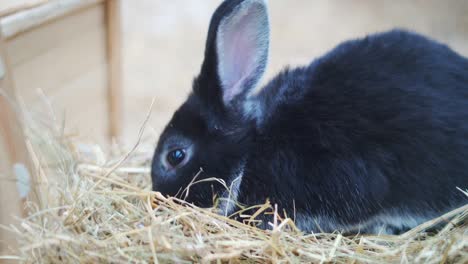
(176, 157)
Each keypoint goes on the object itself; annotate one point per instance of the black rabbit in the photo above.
(371, 137)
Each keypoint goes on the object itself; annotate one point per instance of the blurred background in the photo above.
(164, 41)
(162, 47)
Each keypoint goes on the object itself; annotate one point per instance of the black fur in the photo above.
(377, 127)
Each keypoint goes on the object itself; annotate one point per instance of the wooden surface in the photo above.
(114, 58)
(67, 59)
(42, 39)
(12, 150)
(29, 18)
(8, 7)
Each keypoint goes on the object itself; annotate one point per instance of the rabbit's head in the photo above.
(210, 134)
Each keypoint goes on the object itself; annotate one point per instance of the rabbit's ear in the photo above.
(237, 47)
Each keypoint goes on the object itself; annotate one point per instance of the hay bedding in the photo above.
(92, 208)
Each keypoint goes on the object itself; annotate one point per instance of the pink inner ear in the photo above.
(239, 52)
(239, 49)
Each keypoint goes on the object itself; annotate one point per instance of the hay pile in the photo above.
(95, 208)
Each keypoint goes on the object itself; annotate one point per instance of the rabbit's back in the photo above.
(382, 122)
